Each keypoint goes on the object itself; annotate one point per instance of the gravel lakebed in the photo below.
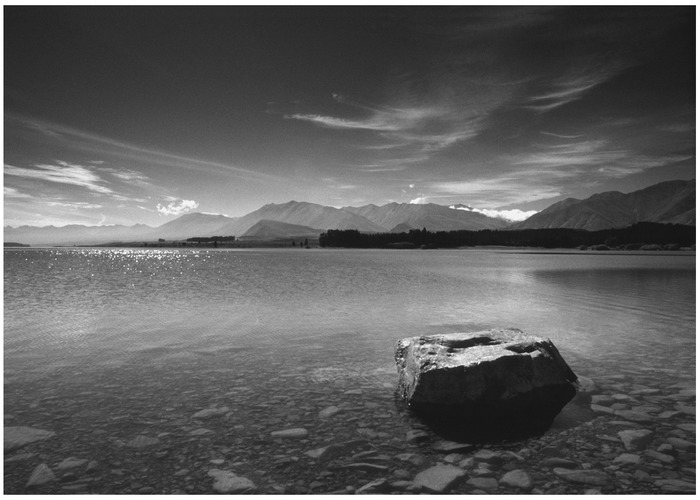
(201, 426)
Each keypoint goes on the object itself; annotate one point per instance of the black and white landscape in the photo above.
(215, 220)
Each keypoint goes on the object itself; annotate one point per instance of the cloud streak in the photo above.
(408, 133)
(62, 173)
(497, 191)
(105, 145)
(12, 193)
(565, 91)
(590, 157)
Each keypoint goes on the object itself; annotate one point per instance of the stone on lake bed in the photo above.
(142, 442)
(16, 437)
(212, 412)
(20, 457)
(665, 415)
(602, 409)
(444, 446)
(494, 375)
(376, 486)
(627, 458)
(602, 399)
(41, 475)
(296, 433)
(414, 458)
(415, 435)
(689, 410)
(591, 477)
(635, 416)
(675, 486)
(228, 482)
(201, 432)
(681, 444)
(636, 439)
(439, 478)
(660, 457)
(366, 467)
(483, 483)
(686, 427)
(71, 463)
(328, 412)
(488, 456)
(518, 478)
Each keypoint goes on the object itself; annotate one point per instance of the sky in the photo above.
(125, 115)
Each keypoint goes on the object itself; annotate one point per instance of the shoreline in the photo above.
(683, 252)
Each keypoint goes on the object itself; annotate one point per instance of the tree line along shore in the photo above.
(640, 236)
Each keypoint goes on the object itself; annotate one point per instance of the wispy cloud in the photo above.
(497, 191)
(379, 118)
(176, 206)
(129, 175)
(573, 153)
(105, 145)
(62, 173)
(588, 157)
(560, 136)
(383, 167)
(12, 193)
(407, 133)
(74, 204)
(565, 90)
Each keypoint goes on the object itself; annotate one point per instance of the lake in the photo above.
(103, 346)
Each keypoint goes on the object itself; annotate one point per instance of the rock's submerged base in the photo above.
(497, 379)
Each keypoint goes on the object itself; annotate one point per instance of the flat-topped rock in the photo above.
(494, 375)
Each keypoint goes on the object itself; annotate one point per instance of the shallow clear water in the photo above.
(148, 337)
(88, 308)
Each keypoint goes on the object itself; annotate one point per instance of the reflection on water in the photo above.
(156, 335)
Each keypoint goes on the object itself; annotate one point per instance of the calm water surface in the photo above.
(92, 308)
(142, 339)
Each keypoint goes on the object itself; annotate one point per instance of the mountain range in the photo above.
(666, 202)
(669, 202)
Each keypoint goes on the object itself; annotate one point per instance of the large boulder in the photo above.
(485, 377)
